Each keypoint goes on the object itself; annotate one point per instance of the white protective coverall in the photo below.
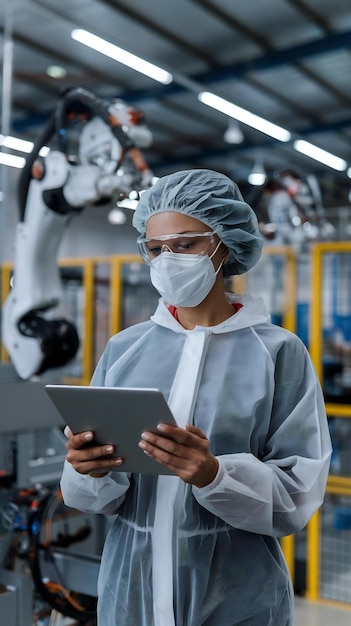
(185, 556)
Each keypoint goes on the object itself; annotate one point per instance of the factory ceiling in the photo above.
(287, 61)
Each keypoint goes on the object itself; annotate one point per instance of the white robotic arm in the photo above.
(109, 165)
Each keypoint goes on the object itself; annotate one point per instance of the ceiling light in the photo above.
(257, 175)
(308, 149)
(11, 160)
(233, 133)
(44, 151)
(349, 172)
(122, 56)
(128, 203)
(117, 217)
(250, 119)
(22, 145)
(16, 144)
(56, 71)
(134, 194)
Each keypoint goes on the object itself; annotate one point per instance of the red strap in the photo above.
(173, 309)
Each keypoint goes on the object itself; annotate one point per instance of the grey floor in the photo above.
(317, 614)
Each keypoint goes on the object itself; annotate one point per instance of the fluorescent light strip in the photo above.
(122, 56)
(11, 160)
(308, 149)
(21, 145)
(250, 119)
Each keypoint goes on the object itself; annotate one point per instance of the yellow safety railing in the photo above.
(87, 266)
(337, 485)
(116, 293)
(5, 288)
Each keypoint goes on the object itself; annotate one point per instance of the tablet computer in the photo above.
(116, 415)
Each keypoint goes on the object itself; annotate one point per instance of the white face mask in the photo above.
(184, 279)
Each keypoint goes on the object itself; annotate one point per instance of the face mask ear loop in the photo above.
(212, 255)
(215, 250)
(219, 266)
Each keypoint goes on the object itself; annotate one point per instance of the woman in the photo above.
(250, 454)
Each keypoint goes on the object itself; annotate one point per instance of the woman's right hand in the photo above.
(92, 460)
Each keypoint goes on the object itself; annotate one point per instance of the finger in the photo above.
(158, 454)
(97, 465)
(196, 431)
(184, 465)
(192, 468)
(164, 441)
(80, 440)
(180, 434)
(172, 432)
(67, 432)
(89, 454)
(188, 436)
(153, 445)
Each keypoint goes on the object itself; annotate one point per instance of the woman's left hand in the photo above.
(185, 451)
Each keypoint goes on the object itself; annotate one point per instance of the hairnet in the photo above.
(215, 200)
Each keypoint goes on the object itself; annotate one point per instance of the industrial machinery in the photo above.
(290, 211)
(92, 157)
(49, 554)
(42, 531)
(95, 158)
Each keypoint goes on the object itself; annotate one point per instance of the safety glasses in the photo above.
(185, 243)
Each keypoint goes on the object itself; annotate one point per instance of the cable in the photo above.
(26, 173)
(55, 594)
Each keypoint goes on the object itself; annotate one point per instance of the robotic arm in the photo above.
(107, 136)
(294, 211)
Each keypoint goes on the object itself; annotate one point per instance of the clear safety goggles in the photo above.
(185, 243)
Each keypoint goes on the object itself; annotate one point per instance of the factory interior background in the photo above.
(260, 91)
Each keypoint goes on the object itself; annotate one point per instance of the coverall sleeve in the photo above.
(278, 493)
(93, 495)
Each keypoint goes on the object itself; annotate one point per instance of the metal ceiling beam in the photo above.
(255, 36)
(326, 127)
(234, 23)
(278, 58)
(142, 18)
(200, 157)
(48, 51)
(270, 60)
(225, 73)
(311, 14)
